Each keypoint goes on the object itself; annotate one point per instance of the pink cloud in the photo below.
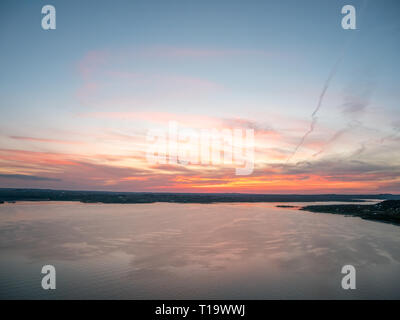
(157, 117)
(45, 140)
(91, 62)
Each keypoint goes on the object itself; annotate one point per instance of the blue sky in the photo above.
(263, 61)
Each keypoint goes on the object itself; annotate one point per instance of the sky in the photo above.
(77, 103)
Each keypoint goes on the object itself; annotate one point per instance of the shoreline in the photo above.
(12, 195)
(387, 211)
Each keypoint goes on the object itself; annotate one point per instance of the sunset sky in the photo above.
(77, 102)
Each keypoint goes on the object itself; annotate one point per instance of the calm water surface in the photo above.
(193, 251)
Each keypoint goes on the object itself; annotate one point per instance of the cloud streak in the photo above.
(27, 177)
(44, 140)
(314, 117)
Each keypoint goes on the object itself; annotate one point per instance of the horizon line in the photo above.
(238, 193)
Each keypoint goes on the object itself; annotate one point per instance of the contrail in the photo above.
(312, 125)
(314, 117)
(359, 150)
(336, 136)
(331, 74)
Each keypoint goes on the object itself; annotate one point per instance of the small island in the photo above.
(285, 206)
(385, 211)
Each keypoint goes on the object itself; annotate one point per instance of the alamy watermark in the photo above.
(49, 280)
(49, 20)
(349, 280)
(349, 20)
(182, 145)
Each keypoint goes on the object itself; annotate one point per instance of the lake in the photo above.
(193, 251)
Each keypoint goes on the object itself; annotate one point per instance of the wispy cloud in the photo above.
(44, 140)
(27, 177)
